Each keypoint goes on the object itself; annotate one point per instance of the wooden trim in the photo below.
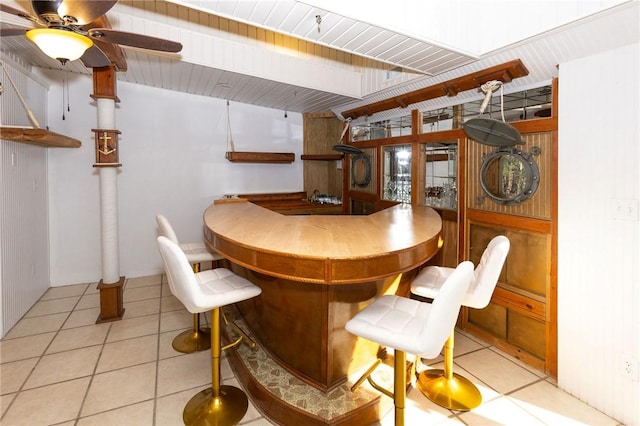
(111, 301)
(523, 304)
(505, 72)
(511, 221)
(443, 135)
(552, 291)
(416, 167)
(230, 199)
(536, 125)
(322, 157)
(104, 83)
(260, 157)
(510, 349)
(40, 137)
(107, 165)
(273, 196)
(436, 157)
(461, 183)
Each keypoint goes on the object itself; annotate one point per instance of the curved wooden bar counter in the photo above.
(317, 272)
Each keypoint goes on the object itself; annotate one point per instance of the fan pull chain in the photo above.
(68, 97)
(63, 83)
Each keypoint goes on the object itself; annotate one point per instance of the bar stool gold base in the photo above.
(228, 408)
(191, 341)
(456, 393)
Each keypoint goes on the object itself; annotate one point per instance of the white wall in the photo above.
(172, 149)
(24, 255)
(598, 252)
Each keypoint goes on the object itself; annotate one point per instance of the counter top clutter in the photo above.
(325, 249)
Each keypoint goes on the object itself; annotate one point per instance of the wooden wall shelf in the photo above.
(322, 157)
(40, 137)
(260, 157)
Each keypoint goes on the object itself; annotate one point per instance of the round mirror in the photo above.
(509, 176)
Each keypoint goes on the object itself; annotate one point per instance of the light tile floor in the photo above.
(57, 367)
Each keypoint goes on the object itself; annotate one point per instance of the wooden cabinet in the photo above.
(522, 316)
(441, 175)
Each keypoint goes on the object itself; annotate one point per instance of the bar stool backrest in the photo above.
(166, 229)
(444, 310)
(182, 279)
(487, 273)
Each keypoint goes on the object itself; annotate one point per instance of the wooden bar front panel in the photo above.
(302, 325)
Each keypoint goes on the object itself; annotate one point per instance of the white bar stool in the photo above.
(411, 326)
(201, 292)
(197, 339)
(444, 387)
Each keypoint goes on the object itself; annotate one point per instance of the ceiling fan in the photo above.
(79, 29)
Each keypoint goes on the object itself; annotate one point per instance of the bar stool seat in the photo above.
(198, 253)
(200, 292)
(443, 386)
(198, 338)
(411, 326)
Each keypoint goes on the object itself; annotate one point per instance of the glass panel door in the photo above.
(441, 169)
(396, 173)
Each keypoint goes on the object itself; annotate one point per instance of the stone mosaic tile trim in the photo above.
(288, 388)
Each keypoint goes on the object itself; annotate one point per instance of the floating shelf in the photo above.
(260, 157)
(322, 157)
(41, 137)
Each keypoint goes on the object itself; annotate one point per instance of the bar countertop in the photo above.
(336, 249)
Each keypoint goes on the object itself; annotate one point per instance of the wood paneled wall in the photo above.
(321, 131)
(522, 317)
(539, 205)
(356, 174)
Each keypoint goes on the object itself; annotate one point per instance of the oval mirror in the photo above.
(361, 170)
(509, 176)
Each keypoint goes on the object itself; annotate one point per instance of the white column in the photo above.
(109, 202)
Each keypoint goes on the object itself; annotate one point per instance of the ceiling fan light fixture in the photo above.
(60, 44)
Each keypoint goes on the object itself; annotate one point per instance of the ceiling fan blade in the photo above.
(93, 57)
(113, 51)
(47, 10)
(12, 31)
(85, 11)
(134, 40)
(8, 9)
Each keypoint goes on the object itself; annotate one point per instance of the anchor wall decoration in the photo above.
(106, 147)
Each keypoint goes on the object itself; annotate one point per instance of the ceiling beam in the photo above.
(504, 72)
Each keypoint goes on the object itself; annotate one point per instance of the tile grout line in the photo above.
(104, 343)
(155, 388)
(93, 373)
(44, 352)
